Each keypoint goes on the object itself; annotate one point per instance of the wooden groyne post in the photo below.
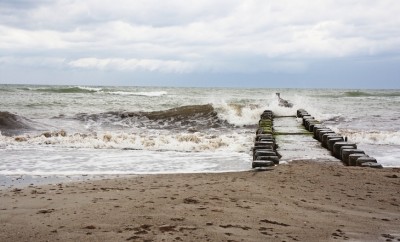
(339, 146)
(264, 150)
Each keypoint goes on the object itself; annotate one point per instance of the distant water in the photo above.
(70, 130)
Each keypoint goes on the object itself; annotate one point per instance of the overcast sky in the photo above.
(248, 43)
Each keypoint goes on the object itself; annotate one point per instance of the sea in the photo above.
(104, 130)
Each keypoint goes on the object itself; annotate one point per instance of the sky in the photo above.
(222, 43)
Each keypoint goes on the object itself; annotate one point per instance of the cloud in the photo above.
(33, 61)
(199, 36)
(132, 64)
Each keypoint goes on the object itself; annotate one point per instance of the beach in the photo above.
(299, 201)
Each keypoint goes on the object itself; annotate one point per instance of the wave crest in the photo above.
(165, 141)
(372, 94)
(74, 89)
(12, 124)
(372, 137)
(196, 117)
(146, 94)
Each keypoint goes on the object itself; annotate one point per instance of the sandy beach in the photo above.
(300, 201)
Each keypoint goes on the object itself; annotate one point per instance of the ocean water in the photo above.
(72, 130)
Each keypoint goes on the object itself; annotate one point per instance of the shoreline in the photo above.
(298, 201)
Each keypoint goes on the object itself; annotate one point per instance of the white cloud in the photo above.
(132, 64)
(183, 36)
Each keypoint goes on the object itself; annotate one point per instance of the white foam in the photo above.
(239, 114)
(147, 94)
(370, 137)
(196, 142)
(58, 161)
(93, 89)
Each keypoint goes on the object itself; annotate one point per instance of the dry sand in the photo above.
(301, 201)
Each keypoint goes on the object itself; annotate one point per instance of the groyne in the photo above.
(264, 150)
(284, 137)
(339, 146)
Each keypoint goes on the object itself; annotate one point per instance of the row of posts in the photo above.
(264, 150)
(342, 149)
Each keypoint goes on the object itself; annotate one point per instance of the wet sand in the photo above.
(300, 201)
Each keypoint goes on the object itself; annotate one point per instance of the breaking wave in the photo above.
(72, 89)
(83, 89)
(195, 117)
(372, 137)
(11, 123)
(164, 141)
(372, 94)
(146, 94)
